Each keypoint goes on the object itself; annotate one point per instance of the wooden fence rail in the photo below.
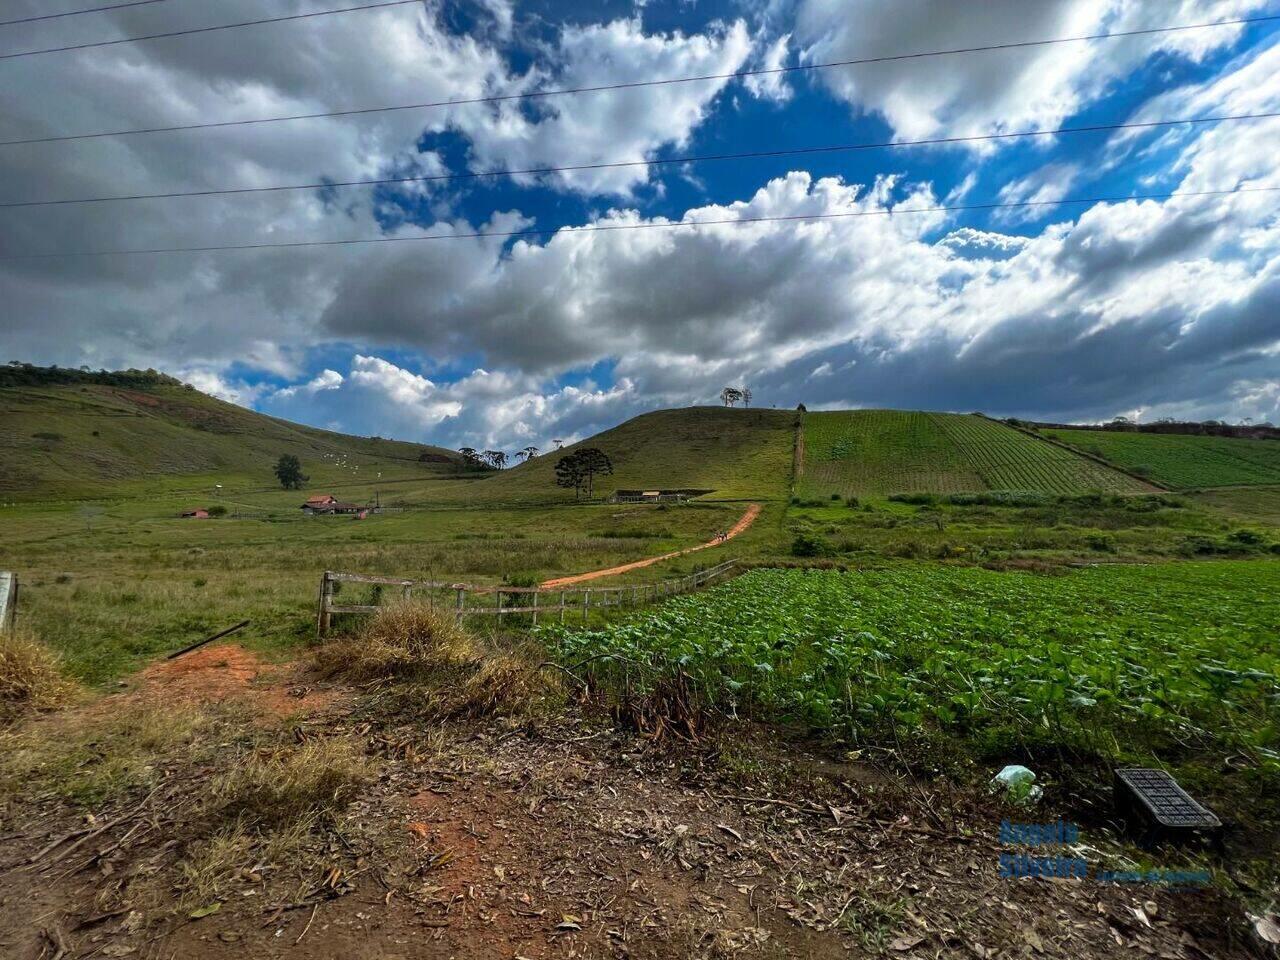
(565, 601)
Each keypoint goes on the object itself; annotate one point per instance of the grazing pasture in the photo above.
(868, 452)
(1182, 461)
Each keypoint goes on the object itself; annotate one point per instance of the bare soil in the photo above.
(564, 838)
(744, 523)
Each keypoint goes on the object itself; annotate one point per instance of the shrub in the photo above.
(30, 676)
(46, 435)
(218, 510)
(811, 546)
(835, 496)
(417, 643)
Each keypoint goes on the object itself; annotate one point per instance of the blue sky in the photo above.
(1082, 312)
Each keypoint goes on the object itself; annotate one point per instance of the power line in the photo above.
(665, 161)
(189, 31)
(609, 228)
(635, 84)
(76, 13)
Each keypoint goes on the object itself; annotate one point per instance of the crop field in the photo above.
(1119, 663)
(867, 452)
(1180, 461)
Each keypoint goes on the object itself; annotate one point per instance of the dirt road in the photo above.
(743, 523)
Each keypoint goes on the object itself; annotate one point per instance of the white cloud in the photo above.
(772, 86)
(1007, 90)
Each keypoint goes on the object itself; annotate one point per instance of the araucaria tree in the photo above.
(527, 454)
(580, 468)
(496, 459)
(289, 472)
(730, 395)
(745, 393)
(472, 460)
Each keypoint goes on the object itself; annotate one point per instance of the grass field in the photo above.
(734, 453)
(92, 440)
(1182, 461)
(861, 452)
(1116, 664)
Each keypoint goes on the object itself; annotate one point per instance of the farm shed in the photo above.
(655, 496)
(195, 513)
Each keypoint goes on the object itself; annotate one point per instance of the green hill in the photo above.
(1182, 461)
(858, 452)
(735, 453)
(95, 439)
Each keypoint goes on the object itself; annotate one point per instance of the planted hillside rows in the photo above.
(1117, 657)
(1183, 461)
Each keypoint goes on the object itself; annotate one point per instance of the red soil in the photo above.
(746, 520)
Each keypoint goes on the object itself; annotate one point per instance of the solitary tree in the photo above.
(569, 474)
(580, 468)
(730, 395)
(289, 472)
(746, 396)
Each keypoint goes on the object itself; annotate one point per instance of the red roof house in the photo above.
(196, 513)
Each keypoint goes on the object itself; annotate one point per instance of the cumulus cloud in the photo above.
(1152, 305)
(1031, 88)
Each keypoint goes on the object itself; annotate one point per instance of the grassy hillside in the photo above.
(1182, 461)
(94, 440)
(736, 453)
(859, 452)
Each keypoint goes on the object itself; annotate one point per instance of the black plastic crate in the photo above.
(1153, 803)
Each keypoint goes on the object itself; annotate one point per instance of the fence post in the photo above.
(323, 616)
(562, 605)
(586, 604)
(535, 608)
(462, 602)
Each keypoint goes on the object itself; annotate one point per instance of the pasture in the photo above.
(1182, 461)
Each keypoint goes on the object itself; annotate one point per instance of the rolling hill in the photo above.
(735, 453)
(95, 439)
(1182, 461)
(860, 452)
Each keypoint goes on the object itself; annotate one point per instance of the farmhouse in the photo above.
(328, 504)
(196, 513)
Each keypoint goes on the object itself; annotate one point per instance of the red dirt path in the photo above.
(746, 520)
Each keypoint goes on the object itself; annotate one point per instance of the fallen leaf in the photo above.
(730, 831)
(208, 911)
(418, 829)
(903, 944)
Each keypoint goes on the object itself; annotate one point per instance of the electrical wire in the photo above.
(620, 164)
(193, 30)
(664, 225)
(76, 13)
(635, 84)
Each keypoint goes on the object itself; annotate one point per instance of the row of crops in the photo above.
(859, 452)
(1183, 461)
(1115, 660)
(881, 451)
(1007, 459)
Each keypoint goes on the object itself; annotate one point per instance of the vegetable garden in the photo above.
(1115, 662)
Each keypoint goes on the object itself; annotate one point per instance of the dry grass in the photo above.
(417, 643)
(91, 756)
(211, 865)
(287, 785)
(30, 677)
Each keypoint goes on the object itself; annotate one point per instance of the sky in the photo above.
(1080, 312)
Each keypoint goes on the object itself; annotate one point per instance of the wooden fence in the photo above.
(561, 603)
